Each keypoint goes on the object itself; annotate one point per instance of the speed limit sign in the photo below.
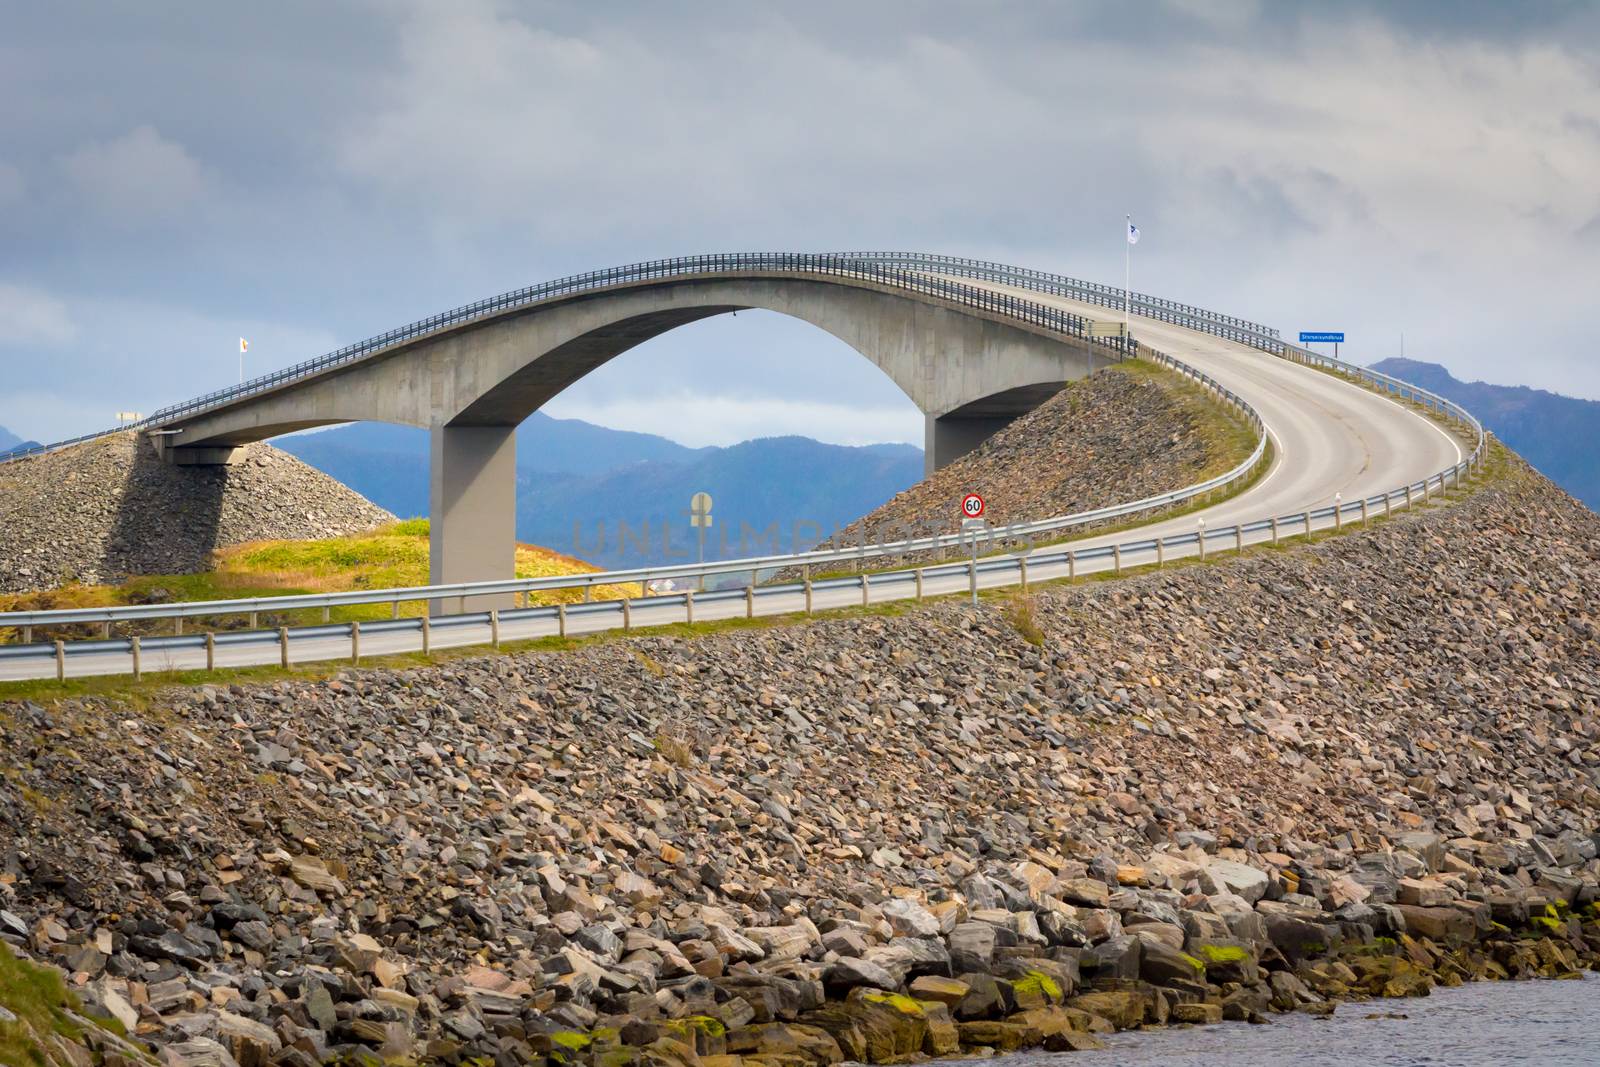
(972, 505)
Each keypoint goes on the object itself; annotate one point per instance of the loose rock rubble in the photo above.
(1356, 769)
(107, 509)
(1112, 437)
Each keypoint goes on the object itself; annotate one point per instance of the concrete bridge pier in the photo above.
(950, 437)
(473, 512)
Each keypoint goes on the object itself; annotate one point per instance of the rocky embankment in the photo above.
(1124, 434)
(107, 509)
(1354, 769)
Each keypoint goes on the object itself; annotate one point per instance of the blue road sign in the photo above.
(1308, 337)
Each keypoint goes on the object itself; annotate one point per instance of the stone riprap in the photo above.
(107, 509)
(1116, 436)
(1356, 768)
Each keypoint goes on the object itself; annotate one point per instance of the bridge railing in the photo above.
(907, 270)
(1106, 296)
(26, 621)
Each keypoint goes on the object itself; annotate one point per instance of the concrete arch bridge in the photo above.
(970, 357)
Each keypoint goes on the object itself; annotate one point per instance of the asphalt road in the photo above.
(1330, 437)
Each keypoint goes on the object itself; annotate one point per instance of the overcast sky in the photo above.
(307, 174)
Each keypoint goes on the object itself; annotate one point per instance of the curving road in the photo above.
(1329, 436)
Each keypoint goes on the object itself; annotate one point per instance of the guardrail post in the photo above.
(105, 630)
(494, 627)
(1022, 566)
(327, 613)
(1427, 486)
(395, 612)
(61, 660)
(427, 634)
(1388, 504)
(561, 620)
(866, 590)
(177, 626)
(1200, 540)
(355, 641)
(211, 651)
(1338, 511)
(1072, 564)
(1274, 529)
(1408, 497)
(919, 582)
(27, 635)
(808, 595)
(133, 650)
(1306, 518)
(255, 622)
(587, 590)
(750, 601)
(1238, 538)
(1161, 552)
(1116, 559)
(627, 615)
(1363, 511)
(688, 606)
(283, 647)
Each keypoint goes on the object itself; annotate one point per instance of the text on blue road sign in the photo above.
(1307, 337)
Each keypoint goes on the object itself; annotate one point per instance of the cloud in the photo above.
(33, 317)
(12, 185)
(110, 355)
(1426, 168)
(137, 178)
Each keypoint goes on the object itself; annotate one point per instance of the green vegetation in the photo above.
(1229, 441)
(41, 1002)
(1019, 612)
(392, 556)
(899, 1002)
(1041, 983)
(1498, 466)
(1224, 953)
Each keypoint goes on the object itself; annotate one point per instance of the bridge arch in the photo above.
(969, 370)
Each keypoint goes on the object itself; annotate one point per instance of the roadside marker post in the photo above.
(972, 522)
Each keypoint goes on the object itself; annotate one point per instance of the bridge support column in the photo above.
(950, 437)
(473, 520)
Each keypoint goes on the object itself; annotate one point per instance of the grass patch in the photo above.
(1228, 437)
(1019, 613)
(389, 557)
(40, 1000)
(1498, 466)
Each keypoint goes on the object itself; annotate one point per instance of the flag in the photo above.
(1133, 233)
(244, 346)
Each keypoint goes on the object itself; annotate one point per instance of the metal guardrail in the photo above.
(523, 586)
(1304, 521)
(887, 266)
(866, 266)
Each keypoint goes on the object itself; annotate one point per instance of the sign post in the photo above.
(972, 522)
(700, 519)
(1333, 337)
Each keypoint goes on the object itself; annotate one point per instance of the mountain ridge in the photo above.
(594, 491)
(1558, 434)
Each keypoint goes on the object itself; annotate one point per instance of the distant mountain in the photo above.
(570, 471)
(389, 464)
(765, 494)
(8, 439)
(1558, 434)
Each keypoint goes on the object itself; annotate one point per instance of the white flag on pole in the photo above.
(1133, 233)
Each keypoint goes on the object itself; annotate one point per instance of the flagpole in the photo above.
(1127, 277)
